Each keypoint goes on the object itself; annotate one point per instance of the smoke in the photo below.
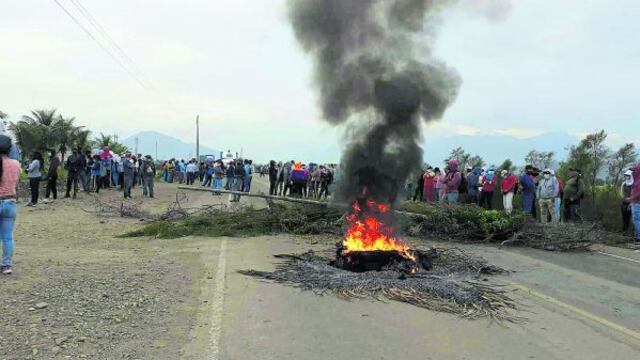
(373, 59)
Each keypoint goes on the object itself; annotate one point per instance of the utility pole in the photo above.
(136, 146)
(198, 138)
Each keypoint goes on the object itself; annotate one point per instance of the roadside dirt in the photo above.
(79, 292)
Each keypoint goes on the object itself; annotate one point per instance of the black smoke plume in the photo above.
(373, 59)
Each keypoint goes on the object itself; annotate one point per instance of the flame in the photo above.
(368, 232)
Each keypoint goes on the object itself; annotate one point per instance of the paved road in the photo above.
(578, 306)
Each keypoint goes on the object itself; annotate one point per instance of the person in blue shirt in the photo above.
(528, 190)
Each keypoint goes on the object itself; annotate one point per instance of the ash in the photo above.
(452, 286)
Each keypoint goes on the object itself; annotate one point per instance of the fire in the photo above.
(368, 232)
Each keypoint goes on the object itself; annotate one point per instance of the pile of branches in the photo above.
(219, 220)
(453, 285)
(118, 208)
(470, 223)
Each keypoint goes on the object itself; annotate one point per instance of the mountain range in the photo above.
(167, 147)
(494, 149)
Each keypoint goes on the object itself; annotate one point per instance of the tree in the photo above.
(507, 165)
(590, 156)
(465, 159)
(68, 135)
(476, 161)
(621, 160)
(108, 140)
(3, 115)
(540, 159)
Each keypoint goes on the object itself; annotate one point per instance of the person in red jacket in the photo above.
(508, 187)
(429, 185)
(489, 182)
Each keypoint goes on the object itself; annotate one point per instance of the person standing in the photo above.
(248, 176)
(34, 173)
(428, 185)
(74, 165)
(546, 193)
(528, 190)
(489, 183)
(573, 193)
(326, 178)
(558, 200)
(128, 166)
(192, 171)
(299, 177)
(52, 176)
(508, 187)
(9, 177)
(634, 200)
(273, 177)
(96, 170)
(148, 173)
(473, 184)
(280, 178)
(287, 178)
(230, 171)
(218, 173)
(625, 192)
(418, 194)
(238, 179)
(452, 182)
(439, 181)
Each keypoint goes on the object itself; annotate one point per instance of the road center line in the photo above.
(619, 257)
(217, 303)
(578, 311)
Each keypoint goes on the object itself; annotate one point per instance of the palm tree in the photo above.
(69, 136)
(35, 132)
(108, 140)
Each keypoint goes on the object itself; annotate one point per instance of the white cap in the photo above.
(628, 173)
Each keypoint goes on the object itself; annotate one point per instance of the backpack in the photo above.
(462, 187)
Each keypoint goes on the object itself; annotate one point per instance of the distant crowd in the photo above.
(556, 199)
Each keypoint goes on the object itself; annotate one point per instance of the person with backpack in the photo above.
(326, 178)
(299, 177)
(148, 174)
(473, 183)
(452, 182)
(128, 163)
(9, 177)
(52, 176)
(74, 165)
(509, 187)
(573, 194)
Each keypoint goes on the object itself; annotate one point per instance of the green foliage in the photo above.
(465, 158)
(45, 130)
(540, 159)
(110, 141)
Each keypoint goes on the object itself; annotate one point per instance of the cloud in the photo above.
(492, 10)
(519, 133)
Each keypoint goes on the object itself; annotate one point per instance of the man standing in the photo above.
(52, 176)
(128, 165)
(148, 173)
(273, 177)
(473, 184)
(75, 163)
(546, 193)
(528, 190)
(634, 200)
(573, 193)
(508, 186)
(625, 191)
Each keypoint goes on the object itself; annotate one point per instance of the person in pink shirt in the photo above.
(9, 176)
(429, 185)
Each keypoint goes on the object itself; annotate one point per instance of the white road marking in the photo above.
(619, 257)
(217, 303)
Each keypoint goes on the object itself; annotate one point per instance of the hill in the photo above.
(168, 147)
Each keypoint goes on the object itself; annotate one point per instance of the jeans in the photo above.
(147, 185)
(635, 211)
(246, 185)
(7, 221)
(34, 185)
(84, 179)
(486, 200)
(452, 198)
(128, 184)
(527, 203)
(72, 180)
(217, 183)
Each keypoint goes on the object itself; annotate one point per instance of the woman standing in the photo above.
(96, 173)
(34, 173)
(9, 175)
(429, 185)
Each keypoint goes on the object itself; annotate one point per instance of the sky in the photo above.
(527, 66)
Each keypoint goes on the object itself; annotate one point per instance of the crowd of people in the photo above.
(91, 173)
(544, 195)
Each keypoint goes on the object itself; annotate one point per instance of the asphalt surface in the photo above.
(576, 305)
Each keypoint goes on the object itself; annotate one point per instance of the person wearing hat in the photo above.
(128, 164)
(148, 174)
(625, 192)
(9, 177)
(508, 187)
(546, 193)
(573, 193)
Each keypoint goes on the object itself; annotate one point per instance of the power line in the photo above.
(86, 31)
(103, 32)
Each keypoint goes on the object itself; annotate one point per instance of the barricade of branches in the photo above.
(451, 286)
(119, 208)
